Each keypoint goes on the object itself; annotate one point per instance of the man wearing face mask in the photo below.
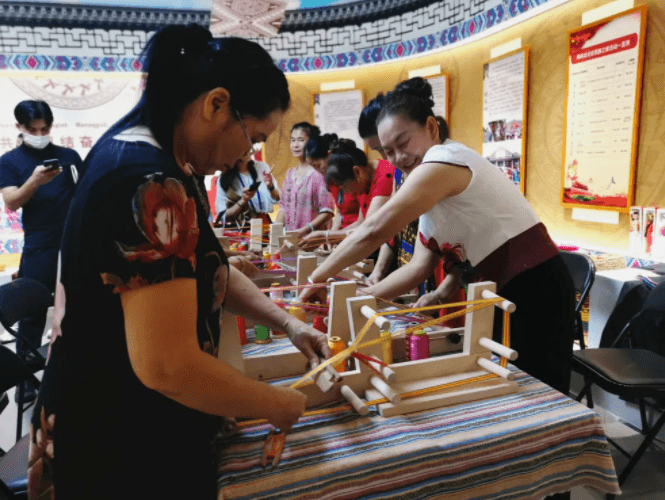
(44, 193)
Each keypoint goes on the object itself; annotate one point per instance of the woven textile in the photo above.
(521, 446)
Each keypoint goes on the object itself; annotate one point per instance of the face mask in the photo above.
(36, 141)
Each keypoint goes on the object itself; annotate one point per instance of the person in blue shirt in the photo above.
(44, 195)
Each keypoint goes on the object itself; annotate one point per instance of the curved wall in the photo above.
(427, 28)
(546, 34)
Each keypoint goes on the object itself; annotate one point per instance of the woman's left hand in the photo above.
(312, 240)
(312, 343)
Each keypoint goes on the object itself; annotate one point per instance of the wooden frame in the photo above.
(596, 202)
(356, 137)
(394, 379)
(485, 120)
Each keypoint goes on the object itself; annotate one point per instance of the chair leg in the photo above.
(19, 418)
(643, 417)
(643, 447)
(586, 391)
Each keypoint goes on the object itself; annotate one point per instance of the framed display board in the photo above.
(505, 90)
(338, 112)
(441, 91)
(602, 113)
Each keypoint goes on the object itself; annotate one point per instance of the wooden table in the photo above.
(521, 446)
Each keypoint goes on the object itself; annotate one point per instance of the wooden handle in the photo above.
(499, 349)
(385, 389)
(506, 305)
(381, 322)
(494, 368)
(354, 400)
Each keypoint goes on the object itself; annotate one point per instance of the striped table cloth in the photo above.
(522, 446)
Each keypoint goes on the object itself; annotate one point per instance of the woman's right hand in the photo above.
(247, 195)
(288, 407)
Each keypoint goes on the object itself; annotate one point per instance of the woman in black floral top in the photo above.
(132, 388)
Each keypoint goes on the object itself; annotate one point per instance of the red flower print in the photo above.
(449, 254)
(167, 218)
(122, 286)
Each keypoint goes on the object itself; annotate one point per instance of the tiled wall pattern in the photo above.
(88, 39)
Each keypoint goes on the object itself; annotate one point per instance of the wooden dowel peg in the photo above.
(506, 305)
(354, 400)
(500, 349)
(385, 389)
(486, 364)
(381, 322)
(359, 275)
(362, 265)
(324, 381)
(334, 374)
(385, 372)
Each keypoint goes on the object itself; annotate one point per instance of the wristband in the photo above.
(311, 227)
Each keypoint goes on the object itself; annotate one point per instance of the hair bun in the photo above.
(343, 146)
(418, 87)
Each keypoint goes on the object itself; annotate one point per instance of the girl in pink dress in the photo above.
(306, 203)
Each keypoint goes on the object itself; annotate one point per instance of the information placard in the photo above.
(441, 92)
(338, 113)
(505, 89)
(603, 95)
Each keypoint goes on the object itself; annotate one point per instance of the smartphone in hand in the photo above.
(254, 186)
(51, 164)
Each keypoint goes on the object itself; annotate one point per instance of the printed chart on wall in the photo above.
(505, 86)
(441, 92)
(338, 113)
(603, 94)
(84, 106)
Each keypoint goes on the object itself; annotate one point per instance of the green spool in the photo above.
(262, 334)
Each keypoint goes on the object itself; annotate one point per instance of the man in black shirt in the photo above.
(44, 193)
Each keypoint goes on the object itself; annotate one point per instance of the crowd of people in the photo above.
(145, 281)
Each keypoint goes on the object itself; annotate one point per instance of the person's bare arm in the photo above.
(425, 187)
(407, 277)
(444, 291)
(319, 221)
(160, 324)
(15, 197)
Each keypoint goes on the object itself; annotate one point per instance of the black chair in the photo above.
(633, 373)
(14, 463)
(583, 271)
(20, 299)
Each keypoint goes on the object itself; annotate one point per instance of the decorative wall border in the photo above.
(299, 46)
(363, 11)
(25, 48)
(106, 17)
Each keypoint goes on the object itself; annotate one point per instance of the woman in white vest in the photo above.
(475, 219)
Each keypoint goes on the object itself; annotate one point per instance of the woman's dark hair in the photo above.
(317, 147)
(368, 116)
(184, 62)
(26, 112)
(229, 176)
(308, 128)
(412, 98)
(345, 155)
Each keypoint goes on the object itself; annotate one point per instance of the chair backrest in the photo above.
(647, 327)
(583, 271)
(13, 371)
(23, 298)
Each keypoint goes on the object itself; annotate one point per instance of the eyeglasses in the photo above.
(244, 129)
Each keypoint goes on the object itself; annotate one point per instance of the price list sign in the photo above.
(603, 94)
